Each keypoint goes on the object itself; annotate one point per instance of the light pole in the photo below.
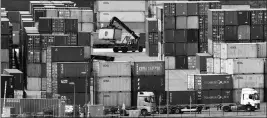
(72, 83)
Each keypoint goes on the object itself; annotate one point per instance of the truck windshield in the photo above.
(256, 96)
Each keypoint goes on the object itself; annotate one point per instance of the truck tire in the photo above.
(140, 49)
(115, 49)
(177, 111)
(249, 108)
(161, 111)
(226, 109)
(124, 49)
(144, 112)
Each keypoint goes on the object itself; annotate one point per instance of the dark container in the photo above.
(73, 39)
(5, 26)
(39, 13)
(28, 24)
(58, 25)
(169, 9)
(202, 36)
(181, 62)
(73, 69)
(257, 17)
(169, 22)
(169, 36)
(213, 81)
(169, 49)
(67, 54)
(142, 41)
(217, 33)
(151, 49)
(182, 97)
(80, 84)
(16, 26)
(201, 61)
(180, 36)
(45, 25)
(9, 80)
(64, 40)
(243, 17)
(34, 56)
(17, 76)
(152, 25)
(181, 9)
(5, 41)
(230, 18)
(153, 38)
(14, 16)
(33, 41)
(148, 83)
(192, 9)
(214, 96)
(230, 33)
(84, 38)
(71, 25)
(180, 49)
(265, 32)
(265, 86)
(47, 40)
(192, 36)
(79, 99)
(149, 68)
(256, 32)
(192, 49)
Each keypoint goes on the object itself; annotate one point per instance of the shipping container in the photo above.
(230, 33)
(149, 68)
(151, 25)
(237, 95)
(71, 25)
(33, 94)
(181, 22)
(177, 79)
(182, 97)
(169, 62)
(4, 65)
(152, 38)
(243, 17)
(180, 36)
(201, 61)
(105, 84)
(87, 16)
(124, 6)
(265, 31)
(169, 49)
(5, 26)
(14, 16)
(68, 53)
(191, 62)
(192, 22)
(64, 85)
(240, 66)
(230, 18)
(169, 9)
(192, 9)
(5, 55)
(85, 27)
(45, 25)
(18, 76)
(192, 49)
(238, 50)
(58, 25)
(223, 66)
(36, 70)
(181, 49)
(7, 86)
(217, 65)
(257, 17)
(114, 98)
(181, 62)
(16, 37)
(151, 50)
(51, 13)
(261, 50)
(44, 84)
(72, 69)
(118, 68)
(214, 96)
(256, 32)
(84, 39)
(5, 41)
(34, 84)
(169, 22)
(16, 26)
(243, 32)
(169, 36)
(123, 16)
(148, 83)
(32, 105)
(192, 36)
(181, 9)
(248, 81)
(210, 65)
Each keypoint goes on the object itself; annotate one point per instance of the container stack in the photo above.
(188, 36)
(131, 13)
(113, 83)
(152, 37)
(148, 76)
(6, 41)
(85, 19)
(15, 20)
(16, 84)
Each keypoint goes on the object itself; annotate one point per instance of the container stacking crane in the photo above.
(113, 34)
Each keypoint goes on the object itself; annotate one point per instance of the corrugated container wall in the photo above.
(69, 54)
(169, 63)
(248, 81)
(238, 50)
(73, 69)
(113, 84)
(149, 68)
(105, 69)
(240, 66)
(148, 83)
(215, 96)
(124, 6)
(210, 65)
(262, 51)
(178, 79)
(123, 16)
(4, 55)
(34, 84)
(114, 98)
(36, 70)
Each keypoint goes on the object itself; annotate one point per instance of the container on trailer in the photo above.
(112, 99)
(68, 54)
(248, 81)
(261, 50)
(118, 68)
(80, 84)
(149, 68)
(36, 70)
(5, 55)
(256, 32)
(237, 95)
(215, 96)
(181, 22)
(241, 66)
(243, 17)
(217, 65)
(148, 83)
(191, 62)
(192, 22)
(192, 49)
(169, 22)
(210, 65)
(180, 36)
(182, 9)
(230, 33)
(169, 36)
(105, 84)
(34, 84)
(181, 62)
(169, 62)
(238, 50)
(192, 36)
(182, 97)
(201, 61)
(123, 16)
(124, 6)
(45, 25)
(243, 32)
(18, 77)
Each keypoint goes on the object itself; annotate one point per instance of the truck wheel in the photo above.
(144, 112)
(124, 49)
(161, 111)
(226, 109)
(115, 49)
(177, 111)
(249, 108)
(140, 49)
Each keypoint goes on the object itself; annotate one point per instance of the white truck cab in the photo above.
(146, 102)
(251, 97)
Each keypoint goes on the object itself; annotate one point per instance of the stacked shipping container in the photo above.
(17, 82)
(152, 37)
(6, 41)
(113, 83)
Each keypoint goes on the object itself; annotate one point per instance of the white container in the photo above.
(65, 13)
(121, 5)
(223, 65)
(77, 14)
(114, 84)
(43, 56)
(216, 50)
(85, 27)
(4, 55)
(236, 7)
(210, 46)
(33, 94)
(261, 50)
(192, 22)
(123, 16)
(18, 94)
(190, 82)
(114, 98)
(109, 69)
(51, 13)
(210, 65)
(238, 50)
(34, 70)
(43, 84)
(217, 65)
(169, 63)
(87, 16)
(240, 66)
(248, 81)
(110, 34)
(34, 84)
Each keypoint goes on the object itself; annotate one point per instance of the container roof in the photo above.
(12, 70)
(31, 30)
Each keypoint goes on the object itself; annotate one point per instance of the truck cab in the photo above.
(146, 102)
(250, 97)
